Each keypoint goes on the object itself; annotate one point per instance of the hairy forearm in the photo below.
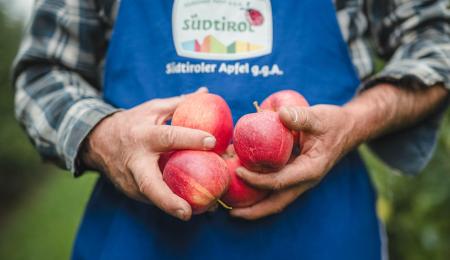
(386, 108)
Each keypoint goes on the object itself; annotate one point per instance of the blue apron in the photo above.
(335, 220)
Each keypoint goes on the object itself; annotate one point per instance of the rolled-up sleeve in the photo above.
(414, 39)
(56, 79)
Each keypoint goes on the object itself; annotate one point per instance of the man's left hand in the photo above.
(329, 132)
(327, 136)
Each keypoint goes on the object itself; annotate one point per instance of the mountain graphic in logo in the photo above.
(211, 44)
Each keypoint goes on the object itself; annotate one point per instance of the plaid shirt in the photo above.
(58, 71)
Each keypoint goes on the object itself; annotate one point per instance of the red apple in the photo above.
(262, 142)
(163, 159)
(284, 98)
(240, 194)
(199, 177)
(207, 112)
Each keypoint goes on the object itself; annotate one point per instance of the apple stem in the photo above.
(224, 205)
(255, 104)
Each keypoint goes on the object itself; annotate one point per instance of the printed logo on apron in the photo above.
(222, 29)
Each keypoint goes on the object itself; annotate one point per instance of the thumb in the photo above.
(299, 119)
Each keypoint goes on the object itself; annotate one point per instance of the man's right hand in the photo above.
(126, 147)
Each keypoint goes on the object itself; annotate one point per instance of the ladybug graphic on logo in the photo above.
(254, 17)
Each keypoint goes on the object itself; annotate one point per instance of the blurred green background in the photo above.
(41, 206)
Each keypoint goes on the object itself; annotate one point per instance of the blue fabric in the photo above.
(410, 150)
(335, 220)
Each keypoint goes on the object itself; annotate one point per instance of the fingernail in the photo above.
(181, 214)
(292, 114)
(202, 89)
(209, 142)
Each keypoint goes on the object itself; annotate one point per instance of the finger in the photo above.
(299, 119)
(300, 170)
(167, 106)
(202, 90)
(274, 204)
(167, 138)
(151, 184)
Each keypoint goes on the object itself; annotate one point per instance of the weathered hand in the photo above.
(329, 132)
(327, 135)
(126, 147)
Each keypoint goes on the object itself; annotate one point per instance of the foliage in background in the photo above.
(416, 210)
(20, 166)
(40, 206)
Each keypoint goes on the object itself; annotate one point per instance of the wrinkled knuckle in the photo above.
(303, 116)
(165, 205)
(277, 184)
(167, 138)
(143, 187)
(297, 178)
(128, 164)
(134, 132)
(154, 102)
(149, 106)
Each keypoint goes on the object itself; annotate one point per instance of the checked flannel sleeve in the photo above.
(56, 75)
(414, 39)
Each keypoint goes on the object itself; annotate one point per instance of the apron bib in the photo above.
(242, 51)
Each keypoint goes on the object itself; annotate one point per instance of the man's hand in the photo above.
(329, 132)
(327, 137)
(126, 147)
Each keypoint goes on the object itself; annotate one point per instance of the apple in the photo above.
(262, 142)
(285, 98)
(240, 194)
(199, 177)
(207, 112)
(163, 159)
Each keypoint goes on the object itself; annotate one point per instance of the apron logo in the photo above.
(254, 17)
(222, 29)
